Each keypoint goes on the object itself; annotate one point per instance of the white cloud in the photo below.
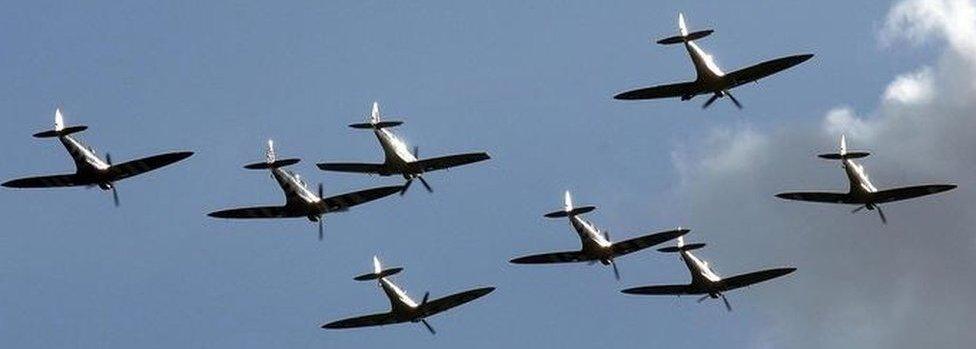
(860, 284)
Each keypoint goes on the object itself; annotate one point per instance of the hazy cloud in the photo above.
(860, 284)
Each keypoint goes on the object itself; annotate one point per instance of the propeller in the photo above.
(115, 193)
(703, 298)
(616, 272)
(884, 220)
(320, 216)
(734, 101)
(726, 301)
(710, 101)
(406, 186)
(416, 154)
(423, 303)
(859, 208)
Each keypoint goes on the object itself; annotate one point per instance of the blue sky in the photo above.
(529, 83)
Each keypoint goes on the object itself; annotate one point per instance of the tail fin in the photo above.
(684, 35)
(378, 272)
(374, 121)
(271, 160)
(569, 209)
(844, 153)
(681, 246)
(59, 129)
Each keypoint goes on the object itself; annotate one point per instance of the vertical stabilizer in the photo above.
(843, 145)
(374, 116)
(681, 24)
(568, 201)
(270, 154)
(58, 120)
(377, 267)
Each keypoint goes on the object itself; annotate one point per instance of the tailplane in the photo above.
(271, 160)
(681, 246)
(568, 208)
(59, 129)
(378, 272)
(844, 153)
(374, 121)
(684, 36)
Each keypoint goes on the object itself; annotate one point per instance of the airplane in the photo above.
(862, 192)
(399, 160)
(711, 79)
(703, 280)
(299, 200)
(596, 244)
(90, 170)
(402, 307)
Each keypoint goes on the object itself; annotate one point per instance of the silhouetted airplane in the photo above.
(861, 191)
(596, 243)
(704, 280)
(711, 79)
(90, 169)
(399, 160)
(402, 308)
(299, 200)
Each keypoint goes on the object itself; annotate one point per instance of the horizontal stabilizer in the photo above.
(63, 132)
(688, 247)
(269, 165)
(848, 155)
(690, 37)
(573, 212)
(378, 125)
(381, 274)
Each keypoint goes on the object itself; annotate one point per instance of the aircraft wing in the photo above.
(443, 162)
(636, 244)
(364, 321)
(555, 257)
(833, 198)
(764, 69)
(910, 192)
(351, 167)
(134, 167)
(63, 180)
(347, 200)
(662, 91)
(256, 212)
(660, 290)
(441, 304)
(744, 280)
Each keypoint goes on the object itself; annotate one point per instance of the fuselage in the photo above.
(702, 277)
(293, 186)
(401, 305)
(709, 74)
(89, 165)
(861, 188)
(397, 156)
(594, 242)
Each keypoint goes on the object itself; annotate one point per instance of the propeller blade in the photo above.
(856, 210)
(320, 190)
(320, 229)
(884, 220)
(616, 272)
(426, 296)
(726, 301)
(416, 151)
(734, 101)
(426, 185)
(710, 101)
(115, 195)
(703, 298)
(406, 186)
(429, 328)
(108, 158)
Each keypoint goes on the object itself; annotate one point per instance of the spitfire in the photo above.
(711, 79)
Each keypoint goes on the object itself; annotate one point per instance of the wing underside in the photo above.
(256, 212)
(898, 194)
(675, 290)
(764, 69)
(554, 257)
(347, 200)
(444, 162)
(636, 244)
(662, 91)
(749, 279)
(364, 321)
(63, 180)
(454, 300)
(833, 198)
(139, 166)
(351, 167)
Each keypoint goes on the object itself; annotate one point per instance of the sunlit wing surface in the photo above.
(351, 167)
(347, 200)
(636, 244)
(661, 290)
(834, 198)
(454, 300)
(135, 167)
(909, 192)
(662, 91)
(764, 69)
(256, 212)
(555, 257)
(64, 180)
(443, 162)
(364, 321)
(744, 280)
